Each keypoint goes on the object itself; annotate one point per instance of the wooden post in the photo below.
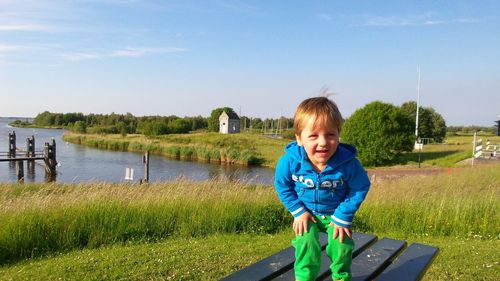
(145, 160)
(53, 162)
(30, 170)
(12, 144)
(30, 146)
(20, 170)
(30, 150)
(50, 159)
(46, 158)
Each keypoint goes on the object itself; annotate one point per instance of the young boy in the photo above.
(322, 184)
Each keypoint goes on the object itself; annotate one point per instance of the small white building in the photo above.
(229, 123)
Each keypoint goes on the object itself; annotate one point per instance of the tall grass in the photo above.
(462, 202)
(39, 219)
(223, 150)
(254, 149)
(447, 154)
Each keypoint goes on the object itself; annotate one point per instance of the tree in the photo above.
(244, 122)
(430, 123)
(44, 119)
(213, 121)
(197, 122)
(122, 127)
(439, 128)
(154, 128)
(380, 132)
(179, 126)
(80, 127)
(256, 123)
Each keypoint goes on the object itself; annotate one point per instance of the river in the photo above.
(79, 163)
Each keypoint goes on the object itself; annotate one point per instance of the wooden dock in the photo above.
(30, 155)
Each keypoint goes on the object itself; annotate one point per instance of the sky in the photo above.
(262, 58)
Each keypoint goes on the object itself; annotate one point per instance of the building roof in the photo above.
(232, 115)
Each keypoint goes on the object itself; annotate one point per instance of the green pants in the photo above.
(308, 252)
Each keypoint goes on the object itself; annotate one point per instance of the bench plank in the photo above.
(370, 260)
(271, 266)
(373, 259)
(411, 264)
(361, 241)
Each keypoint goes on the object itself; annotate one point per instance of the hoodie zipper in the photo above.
(316, 193)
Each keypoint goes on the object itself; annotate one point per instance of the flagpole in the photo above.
(418, 103)
(417, 138)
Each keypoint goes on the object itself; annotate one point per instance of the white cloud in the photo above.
(236, 6)
(325, 17)
(401, 21)
(137, 52)
(424, 19)
(125, 52)
(434, 22)
(23, 27)
(468, 20)
(40, 49)
(81, 56)
(8, 48)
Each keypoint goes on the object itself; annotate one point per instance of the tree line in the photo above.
(120, 123)
(149, 125)
(457, 130)
(380, 131)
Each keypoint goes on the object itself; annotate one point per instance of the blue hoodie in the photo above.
(336, 192)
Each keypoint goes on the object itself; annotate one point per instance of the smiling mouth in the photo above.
(322, 151)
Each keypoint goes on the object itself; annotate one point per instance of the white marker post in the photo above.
(129, 174)
(473, 149)
(477, 148)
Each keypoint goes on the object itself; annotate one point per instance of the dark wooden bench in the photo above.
(385, 259)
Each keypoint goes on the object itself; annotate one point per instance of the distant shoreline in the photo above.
(14, 125)
(17, 122)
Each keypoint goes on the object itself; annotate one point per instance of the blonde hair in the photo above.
(322, 109)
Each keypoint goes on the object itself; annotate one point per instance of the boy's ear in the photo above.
(297, 137)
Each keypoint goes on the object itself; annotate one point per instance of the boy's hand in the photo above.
(339, 231)
(300, 223)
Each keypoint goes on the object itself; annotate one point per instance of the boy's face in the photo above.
(319, 142)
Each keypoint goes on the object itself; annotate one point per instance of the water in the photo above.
(83, 164)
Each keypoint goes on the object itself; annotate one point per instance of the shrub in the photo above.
(380, 132)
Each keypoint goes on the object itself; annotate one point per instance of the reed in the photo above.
(220, 150)
(41, 219)
(462, 202)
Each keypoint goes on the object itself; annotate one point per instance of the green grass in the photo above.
(216, 256)
(461, 258)
(463, 203)
(244, 148)
(42, 219)
(176, 258)
(255, 149)
(447, 154)
(91, 230)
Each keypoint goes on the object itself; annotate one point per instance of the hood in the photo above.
(344, 153)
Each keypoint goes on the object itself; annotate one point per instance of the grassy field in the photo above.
(215, 256)
(203, 231)
(256, 149)
(44, 218)
(447, 154)
(246, 149)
